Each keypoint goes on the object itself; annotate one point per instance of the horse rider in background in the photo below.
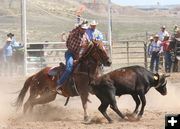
(76, 41)
(93, 32)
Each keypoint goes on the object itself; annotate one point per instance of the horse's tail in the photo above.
(22, 93)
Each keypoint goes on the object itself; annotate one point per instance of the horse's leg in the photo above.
(44, 98)
(84, 99)
(28, 104)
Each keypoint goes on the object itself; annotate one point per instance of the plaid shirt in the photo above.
(155, 47)
(75, 40)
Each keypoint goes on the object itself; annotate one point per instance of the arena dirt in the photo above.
(55, 116)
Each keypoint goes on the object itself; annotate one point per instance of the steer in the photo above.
(133, 80)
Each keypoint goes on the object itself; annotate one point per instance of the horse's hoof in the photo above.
(87, 120)
(138, 118)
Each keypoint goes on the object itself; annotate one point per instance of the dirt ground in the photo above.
(55, 116)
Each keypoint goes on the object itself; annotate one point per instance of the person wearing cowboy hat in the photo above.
(14, 43)
(7, 55)
(155, 50)
(93, 33)
(76, 40)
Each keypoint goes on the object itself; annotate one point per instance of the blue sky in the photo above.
(145, 2)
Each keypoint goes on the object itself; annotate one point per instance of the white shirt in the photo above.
(162, 35)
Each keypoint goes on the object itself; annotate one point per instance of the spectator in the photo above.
(14, 44)
(7, 54)
(167, 53)
(151, 39)
(155, 50)
(176, 31)
(93, 33)
(162, 33)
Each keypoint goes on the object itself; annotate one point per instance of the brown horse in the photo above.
(42, 86)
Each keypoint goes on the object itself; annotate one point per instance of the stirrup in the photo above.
(58, 90)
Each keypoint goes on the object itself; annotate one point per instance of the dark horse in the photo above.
(42, 86)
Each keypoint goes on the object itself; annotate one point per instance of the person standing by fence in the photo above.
(155, 50)
(151, 39)
(167, 53)
(8, 56)
(162, 33)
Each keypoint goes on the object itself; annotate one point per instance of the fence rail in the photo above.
(124, 53)
(129, 52)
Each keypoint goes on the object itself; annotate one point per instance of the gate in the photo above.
(42, 54)
(126, 53)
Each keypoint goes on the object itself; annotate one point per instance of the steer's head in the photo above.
(161, 83)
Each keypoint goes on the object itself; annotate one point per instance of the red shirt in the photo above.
(75, 40)
(165, 45)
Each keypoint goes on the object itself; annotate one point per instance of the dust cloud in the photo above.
(55, 115)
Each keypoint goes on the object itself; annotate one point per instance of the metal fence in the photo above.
(42, 54)
(124, 53)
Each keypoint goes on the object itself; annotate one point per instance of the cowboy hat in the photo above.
(93, 23)
(84, 26)
(163, 27)
(151, 38)
(10, 34)
(156, 36)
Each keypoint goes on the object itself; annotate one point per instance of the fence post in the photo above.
(145, 55)
(127, 52)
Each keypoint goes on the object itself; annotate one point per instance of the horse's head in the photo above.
(99, 53)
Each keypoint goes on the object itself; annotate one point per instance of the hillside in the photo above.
(46, 20)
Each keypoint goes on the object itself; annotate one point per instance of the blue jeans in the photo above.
(69, 56)
(154, 62)
(168, 61)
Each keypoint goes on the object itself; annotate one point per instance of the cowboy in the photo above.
(155, 50)
(14, 43)
(7, 54)
(93, 33)
(77, 40)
